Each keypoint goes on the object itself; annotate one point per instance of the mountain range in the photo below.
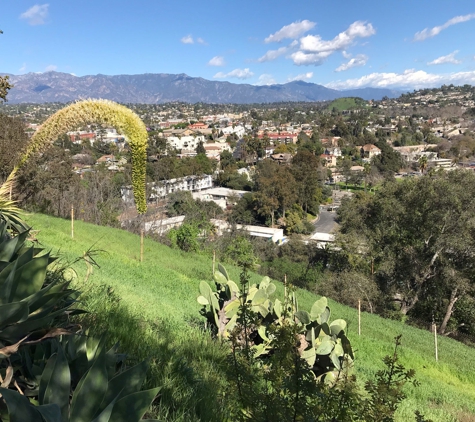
(155, 88)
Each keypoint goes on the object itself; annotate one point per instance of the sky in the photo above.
(344, 44)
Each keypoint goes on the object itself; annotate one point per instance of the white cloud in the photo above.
(236, 73)
(449, 58)
(188, 39)
(36, 15)
(359, 60)
(301, 77)
(22, 68)
(314, 50)
(346, 55)
(217, 61)
(273, 54)
(292, 31)
(266, 79)
(315, 44)
(410, 78)
(303, 59)
(51, 68)
(432, 32)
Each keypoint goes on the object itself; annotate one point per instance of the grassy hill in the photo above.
(151, 309)
(347, 103)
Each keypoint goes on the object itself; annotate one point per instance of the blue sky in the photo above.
(340, 44)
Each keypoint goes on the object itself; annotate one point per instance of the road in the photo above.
(326, 221)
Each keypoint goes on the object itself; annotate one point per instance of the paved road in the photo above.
(326, 222)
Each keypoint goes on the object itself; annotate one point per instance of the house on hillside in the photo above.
(198, 126)
(369, 151)
(284, 158)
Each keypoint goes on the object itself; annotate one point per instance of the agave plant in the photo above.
(80, 383)
(43, 379)
(101, 111)
(9, 212)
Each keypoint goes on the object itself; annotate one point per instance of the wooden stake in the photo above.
(214, 261)
(285, 286)
(435, 343)
(72, 221)
(141, 245)
(359, 317)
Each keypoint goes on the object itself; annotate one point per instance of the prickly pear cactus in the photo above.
(322, 343)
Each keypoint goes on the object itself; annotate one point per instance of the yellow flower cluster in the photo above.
(105, 112)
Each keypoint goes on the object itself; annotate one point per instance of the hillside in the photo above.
(155, 88)
(347, 103)
(162, 291)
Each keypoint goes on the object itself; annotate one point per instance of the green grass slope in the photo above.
(157, 316)
(347, 103)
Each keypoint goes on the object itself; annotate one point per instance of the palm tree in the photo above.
(423, 163)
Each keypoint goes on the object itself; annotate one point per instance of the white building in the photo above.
(238, 130)
(221, 196)
(185, 142)
(161, 189)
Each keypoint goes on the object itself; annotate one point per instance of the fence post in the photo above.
(141, 245)
(359, 317)
(435, 343)
(72, 221)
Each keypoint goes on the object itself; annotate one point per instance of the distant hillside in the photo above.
(160, 88)
(347, 103)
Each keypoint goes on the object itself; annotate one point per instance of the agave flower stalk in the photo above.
(97, 111)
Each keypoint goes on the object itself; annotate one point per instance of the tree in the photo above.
(276, 188)
(13, 141)
(200, 149)
(423, 163)
(418, 233)
(5, 86)
(305, 171)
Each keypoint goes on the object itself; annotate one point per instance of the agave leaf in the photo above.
(59, 384)
(32, 278)
(202, 300)
(50, 412)
(7, 277)
(132, 407)
(105, 415)
(17, 331)
(13, 312)
(19, 407)
(127, 382)
(8, 248)
(90, 391)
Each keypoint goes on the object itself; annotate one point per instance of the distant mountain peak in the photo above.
(152, 88)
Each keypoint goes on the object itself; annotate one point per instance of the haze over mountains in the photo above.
(156, 88)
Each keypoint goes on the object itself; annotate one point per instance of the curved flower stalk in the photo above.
(100, 111)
